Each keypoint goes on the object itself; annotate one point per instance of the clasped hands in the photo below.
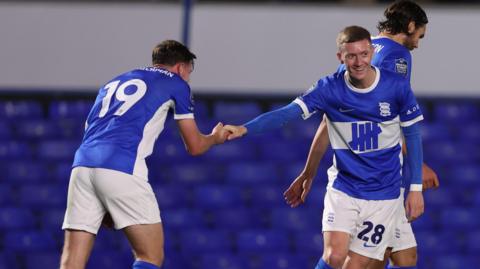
(227, 132)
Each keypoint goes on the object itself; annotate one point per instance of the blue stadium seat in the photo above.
(222, 261)
(236, 112)
(30, 241)
(473, 247)
(182, 218)
(439, 198)
(108, 239)
(267, 196)
(236, 218)
(456, 112)
(168, 151)
(42, 196)
(435, 131)
(217, 196)
(283, 261)
(20, 110)
(252, 172)
(70, 109)
(428, 221)
(52, 218)
(205, 241)
(73, 129)
(16, 218)
(460, 218)
(262, 241)
(13, 150)
(434, 243)
(171, 196)
(22, 172)
(285, 152)
(465, 175)
(61, 172)
(235, 151)
(5, 130)
(296, 219)
(42, 259)
(8, 261)
(57, 150)
(455, 262)
(309, 242)
(110, 259)
(195, 173)
(469, 132)
(36, 129)
(6, 194)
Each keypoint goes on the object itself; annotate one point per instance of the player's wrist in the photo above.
(416, 187)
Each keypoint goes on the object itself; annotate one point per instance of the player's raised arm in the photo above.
(266, 122)
(197, 143)
(297, 192)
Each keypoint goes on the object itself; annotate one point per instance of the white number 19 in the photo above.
(129, 100)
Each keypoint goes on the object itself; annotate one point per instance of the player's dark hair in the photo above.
(352, 34)
(171, 52)
(399, 14)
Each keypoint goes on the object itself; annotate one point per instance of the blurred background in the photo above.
(225, 209)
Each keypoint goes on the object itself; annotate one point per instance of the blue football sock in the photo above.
(397, 267)
(322, 265)
(144, 265)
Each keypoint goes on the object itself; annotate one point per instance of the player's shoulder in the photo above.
(391, 75)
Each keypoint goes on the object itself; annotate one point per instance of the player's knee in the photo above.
(335, 258)
(155, 256)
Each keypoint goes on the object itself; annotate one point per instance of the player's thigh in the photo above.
(128, 199)
(375, 227)
(76, 249)
(340, 216)
(146, 240)
(377, 264)
(84, 208)
(357, 261)
(404, 258)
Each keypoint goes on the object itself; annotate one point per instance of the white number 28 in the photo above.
(119, 91)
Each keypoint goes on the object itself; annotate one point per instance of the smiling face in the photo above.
(357, 57)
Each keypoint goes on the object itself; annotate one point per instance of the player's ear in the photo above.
(411, 27)
(339, 57)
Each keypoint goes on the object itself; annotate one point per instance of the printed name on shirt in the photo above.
(154, 69)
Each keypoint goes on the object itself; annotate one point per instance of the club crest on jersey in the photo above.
(401, 66)
(384, 109)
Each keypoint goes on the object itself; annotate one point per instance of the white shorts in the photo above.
(403, 237)
(92, 192)
(370, 223)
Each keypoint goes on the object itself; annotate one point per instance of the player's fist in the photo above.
(235, 131)
(430, 178)
(219, 133)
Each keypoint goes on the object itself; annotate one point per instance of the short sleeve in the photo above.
(313, 99)
(183, 99)
(410, 111)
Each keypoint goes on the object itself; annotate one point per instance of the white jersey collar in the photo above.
(366, 90)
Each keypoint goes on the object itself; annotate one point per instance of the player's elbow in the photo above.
(194, 151)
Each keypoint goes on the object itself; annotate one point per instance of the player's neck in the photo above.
(366, 82)
(399, 38)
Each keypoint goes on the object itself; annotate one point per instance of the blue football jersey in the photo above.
(128, 115)
(364, 131)
(392, 56)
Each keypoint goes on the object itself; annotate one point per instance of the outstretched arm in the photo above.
(300, 187)
(197, 143)
(266, 121)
